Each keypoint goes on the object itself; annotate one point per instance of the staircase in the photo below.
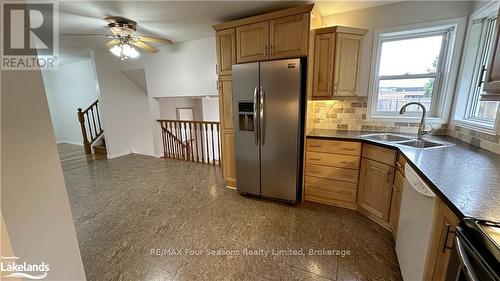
(92, 132)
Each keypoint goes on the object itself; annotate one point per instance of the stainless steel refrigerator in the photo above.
(268, 108)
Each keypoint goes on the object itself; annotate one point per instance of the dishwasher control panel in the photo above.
(417, 183)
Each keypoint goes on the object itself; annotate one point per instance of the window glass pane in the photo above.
(394, 93)
(410, 56)
(486, 110)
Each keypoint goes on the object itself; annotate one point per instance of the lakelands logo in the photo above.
(29, 35)
(9, 267)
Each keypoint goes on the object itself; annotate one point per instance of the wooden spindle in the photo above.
(196, 142)
(213, 146)
(218, 142)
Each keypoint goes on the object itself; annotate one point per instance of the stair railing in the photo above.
(90, 124)
(195, 141)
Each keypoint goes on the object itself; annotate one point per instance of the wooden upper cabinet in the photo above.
(289, 36)
(226, 50)
(347, 51)
(252, 42)
(375, 189)
(323, 65)
(492, 82)
(336, 61)
(226, 102)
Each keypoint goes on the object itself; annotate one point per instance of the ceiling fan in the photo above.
(123, 38)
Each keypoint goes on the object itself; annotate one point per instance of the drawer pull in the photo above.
(315, 145)
(347, 163)
(399, 164)
(348, 149)
(315, 159)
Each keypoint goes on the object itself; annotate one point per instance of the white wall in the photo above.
(183, 69)
(168, 107)
(396, 14)
(210, 108)
(74, 85)
(125, 109)
(34, 200)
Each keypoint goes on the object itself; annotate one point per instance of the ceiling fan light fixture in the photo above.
(116, 50)
(124, 51)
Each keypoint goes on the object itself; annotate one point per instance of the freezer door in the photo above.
(280, 126)
(245, 95)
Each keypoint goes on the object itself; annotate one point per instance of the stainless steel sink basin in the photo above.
(387, 137)
(422, 143)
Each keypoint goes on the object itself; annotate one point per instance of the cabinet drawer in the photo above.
(379, 154)
(330, 189)
(337, 147)
(400, 163)
(332, 173)
(334, 160)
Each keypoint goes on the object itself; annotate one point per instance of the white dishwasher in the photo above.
(417, 215)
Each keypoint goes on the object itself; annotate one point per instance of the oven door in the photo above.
(473, 265)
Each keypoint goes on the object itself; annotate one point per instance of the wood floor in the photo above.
(73, 156)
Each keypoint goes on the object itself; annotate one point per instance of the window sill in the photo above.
(407, 119)
(475, 126)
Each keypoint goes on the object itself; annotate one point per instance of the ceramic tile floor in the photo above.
(127, 207)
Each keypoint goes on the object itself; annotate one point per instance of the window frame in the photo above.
(445, 75)
(466, 89)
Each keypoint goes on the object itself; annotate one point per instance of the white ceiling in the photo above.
(175, 20)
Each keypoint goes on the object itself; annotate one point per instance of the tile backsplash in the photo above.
(483, 140)
(350, 114)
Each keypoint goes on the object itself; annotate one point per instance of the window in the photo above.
(470, 111)
(412, 64)
(482, 111)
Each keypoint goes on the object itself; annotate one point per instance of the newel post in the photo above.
(86, 143)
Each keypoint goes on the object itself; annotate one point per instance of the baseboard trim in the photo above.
(69, 142)
(116, 155)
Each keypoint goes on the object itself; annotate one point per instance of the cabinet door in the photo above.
(323, 65)
(345, 75)
(252, 42)
(289, 36)
(226, 102)
(226, 51)
(228, 158)
(492, 84)
(441, 244)
(397, 193)
(375, 188)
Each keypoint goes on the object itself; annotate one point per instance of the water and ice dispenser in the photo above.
(246, 116)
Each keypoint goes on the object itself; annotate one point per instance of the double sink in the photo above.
(403, 140)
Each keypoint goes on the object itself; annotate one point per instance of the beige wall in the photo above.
(34, 201)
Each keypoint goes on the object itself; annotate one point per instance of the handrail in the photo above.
(94, 129)
(90, 106)
(196, 141)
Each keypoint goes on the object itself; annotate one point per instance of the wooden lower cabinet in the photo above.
(375, 190)
(228, 158)
(441, 243)
(397, 194)
(331, 172)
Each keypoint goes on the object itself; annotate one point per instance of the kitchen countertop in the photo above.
(465, 177)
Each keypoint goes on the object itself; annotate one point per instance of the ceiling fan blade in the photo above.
(112, 43)
(144, 46)
(155, 39)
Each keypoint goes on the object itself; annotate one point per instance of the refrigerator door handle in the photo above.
(262, 120)
(255, 124)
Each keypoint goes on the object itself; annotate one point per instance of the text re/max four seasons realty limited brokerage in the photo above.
(249, 252)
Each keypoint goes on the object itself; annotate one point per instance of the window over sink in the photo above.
(414, 64)
(469, 110)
